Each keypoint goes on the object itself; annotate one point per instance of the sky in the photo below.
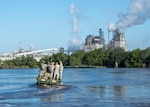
(43, 24)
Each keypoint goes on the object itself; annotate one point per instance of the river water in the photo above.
(92, 87)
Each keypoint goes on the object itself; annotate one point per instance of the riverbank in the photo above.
(24, 67)
(85, 67)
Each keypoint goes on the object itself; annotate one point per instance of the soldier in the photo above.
(61, 67)
(43, 69)
(52, 70)
(48, 73)
(56, 73)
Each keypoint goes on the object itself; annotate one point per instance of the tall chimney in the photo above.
(101, 33)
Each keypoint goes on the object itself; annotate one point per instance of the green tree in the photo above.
(106, 59)
(145, 53)
(96, 57)
(134, 59)
(92, 58)
(46, 59)
(31, 62)
(145, 56)
(56, 58)
(60, 57)
(148, 61)
(100, 57)
(117, 55)
(76, 58)
(84, 59)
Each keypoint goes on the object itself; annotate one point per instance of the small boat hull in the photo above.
(41, 81)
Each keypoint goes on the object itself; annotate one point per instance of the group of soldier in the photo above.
(51, 70)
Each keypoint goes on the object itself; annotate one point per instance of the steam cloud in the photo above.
(138, 12)
(74, 11)
(111, 27)
(76, 42)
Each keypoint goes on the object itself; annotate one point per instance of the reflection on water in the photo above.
(117, 91)
(53, 98)
(81, 87)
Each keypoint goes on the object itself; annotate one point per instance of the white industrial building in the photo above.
(118, 41)
(96, 42)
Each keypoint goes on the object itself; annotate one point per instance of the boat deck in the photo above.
(42, 81)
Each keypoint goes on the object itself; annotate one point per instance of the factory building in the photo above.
(118, 41)
(94, 42)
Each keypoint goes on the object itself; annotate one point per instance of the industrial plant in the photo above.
(91, 43)
(96, 42)
(118, 41)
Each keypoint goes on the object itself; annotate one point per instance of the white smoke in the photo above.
(138, 12)
(75, 43)
(111, 27)
(75, 30)
(73, 9)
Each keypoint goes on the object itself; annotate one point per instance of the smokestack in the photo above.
(101, 33)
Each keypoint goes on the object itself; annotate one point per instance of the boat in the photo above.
(42, 81)
(47, 75)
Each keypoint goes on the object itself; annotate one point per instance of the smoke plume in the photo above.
(138, 12)
(111, 27)
(76, 42)
(74, 11)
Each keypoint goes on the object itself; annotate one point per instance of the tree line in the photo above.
(98, 57)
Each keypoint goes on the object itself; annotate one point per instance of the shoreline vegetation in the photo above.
(25, 67)
(85, 67)
(98, 58)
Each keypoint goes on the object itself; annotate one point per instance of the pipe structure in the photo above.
(33, 52)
